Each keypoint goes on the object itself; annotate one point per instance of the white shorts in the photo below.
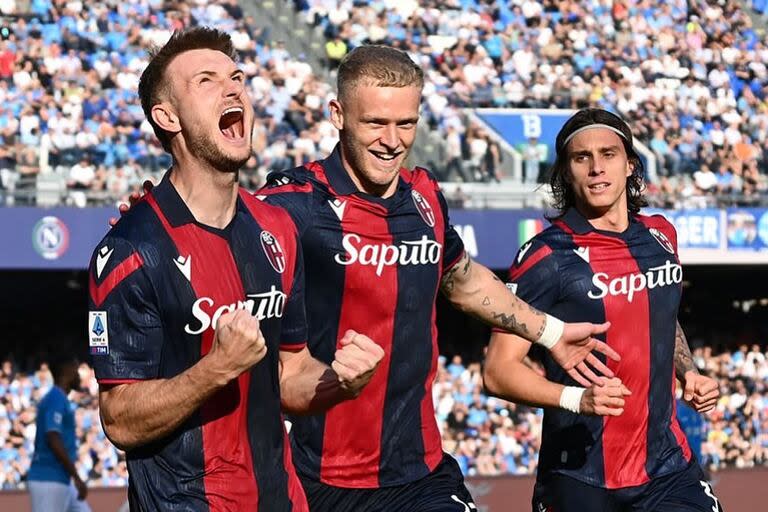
(55, 497)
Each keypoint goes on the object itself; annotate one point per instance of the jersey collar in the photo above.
(581, 226)
(337, 176)
(340, 182)
(173, 206)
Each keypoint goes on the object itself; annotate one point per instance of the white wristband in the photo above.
(553, 330)
(570, 398)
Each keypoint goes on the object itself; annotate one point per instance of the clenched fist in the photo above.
(356, 361)
(606, 399)
(238, 344)
(701, 392)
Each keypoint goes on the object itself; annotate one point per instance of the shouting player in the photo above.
(197, 317)
(377, 247)
(604, 448)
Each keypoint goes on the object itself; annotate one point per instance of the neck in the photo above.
(615, 219)
(63, 385)
(363, 185)
(209, 194)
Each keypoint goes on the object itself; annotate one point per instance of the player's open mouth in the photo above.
(385, 157)
(232, 123)
(599, 187)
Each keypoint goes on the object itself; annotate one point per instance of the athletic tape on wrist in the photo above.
(553, 330)
(570, 398)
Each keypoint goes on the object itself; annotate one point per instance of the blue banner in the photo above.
(696, 229)
(59, 238)
(64, 238)
(747, 229)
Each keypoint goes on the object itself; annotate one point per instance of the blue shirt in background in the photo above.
(54, 414)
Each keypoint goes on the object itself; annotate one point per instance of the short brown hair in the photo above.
(377, 65)
(153, 85)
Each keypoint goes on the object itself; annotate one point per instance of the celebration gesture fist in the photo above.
(356, 361)
(701, 392)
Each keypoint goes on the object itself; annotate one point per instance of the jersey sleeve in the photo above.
(534, 276)
(124, 328)
(454, 247)
(53, 416)
(293, 336)
(292, 191)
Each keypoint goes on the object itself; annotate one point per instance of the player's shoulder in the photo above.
(656, 221)
(539, 250)
(269, 216)
(661, 229)
(299, 179)
(127, 243)
(419, 176)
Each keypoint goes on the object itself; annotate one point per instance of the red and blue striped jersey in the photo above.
(159, 281)
(373, 265)
(634, 280)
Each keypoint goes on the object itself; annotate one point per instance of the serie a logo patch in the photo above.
(98, 334)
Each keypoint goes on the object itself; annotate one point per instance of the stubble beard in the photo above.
(205, 148)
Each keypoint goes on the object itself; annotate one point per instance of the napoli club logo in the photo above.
(274, 252)
(663, 240)
(50, 237)
(424, 209)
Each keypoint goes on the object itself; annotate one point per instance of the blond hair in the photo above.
(379, 66)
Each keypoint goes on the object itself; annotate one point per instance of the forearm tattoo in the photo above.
(448, 282)
(683, 357)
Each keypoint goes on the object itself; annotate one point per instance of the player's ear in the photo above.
(164, 116)
(631, 166)
(337, 113)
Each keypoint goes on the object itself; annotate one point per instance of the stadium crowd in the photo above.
(70, 114)
(487, 436)
(698, 101)
(70, 117)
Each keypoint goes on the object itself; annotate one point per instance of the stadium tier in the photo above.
(72, 130)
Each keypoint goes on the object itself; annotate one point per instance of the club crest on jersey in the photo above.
(425, 210)
(274, 252)
(663, 240)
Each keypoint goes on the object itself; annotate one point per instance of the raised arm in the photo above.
(307, 386)
(138, 413)
(475, 290)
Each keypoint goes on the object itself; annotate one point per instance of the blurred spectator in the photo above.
(54, 482)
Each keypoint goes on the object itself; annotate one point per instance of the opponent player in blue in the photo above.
(604, 448)
(197, 319)
(54, 485)
(378, 247)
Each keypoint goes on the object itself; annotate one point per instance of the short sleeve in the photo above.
(454, 247)
(53, 416)
(293, 335)
(534, 277)
(124, 328)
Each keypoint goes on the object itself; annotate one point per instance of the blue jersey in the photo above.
(159, 282)
(634, 280)
(373, 265)
(54, 414)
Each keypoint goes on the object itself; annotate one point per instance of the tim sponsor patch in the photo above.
(98, 334)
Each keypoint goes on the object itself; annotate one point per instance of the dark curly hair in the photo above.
(563, 197)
